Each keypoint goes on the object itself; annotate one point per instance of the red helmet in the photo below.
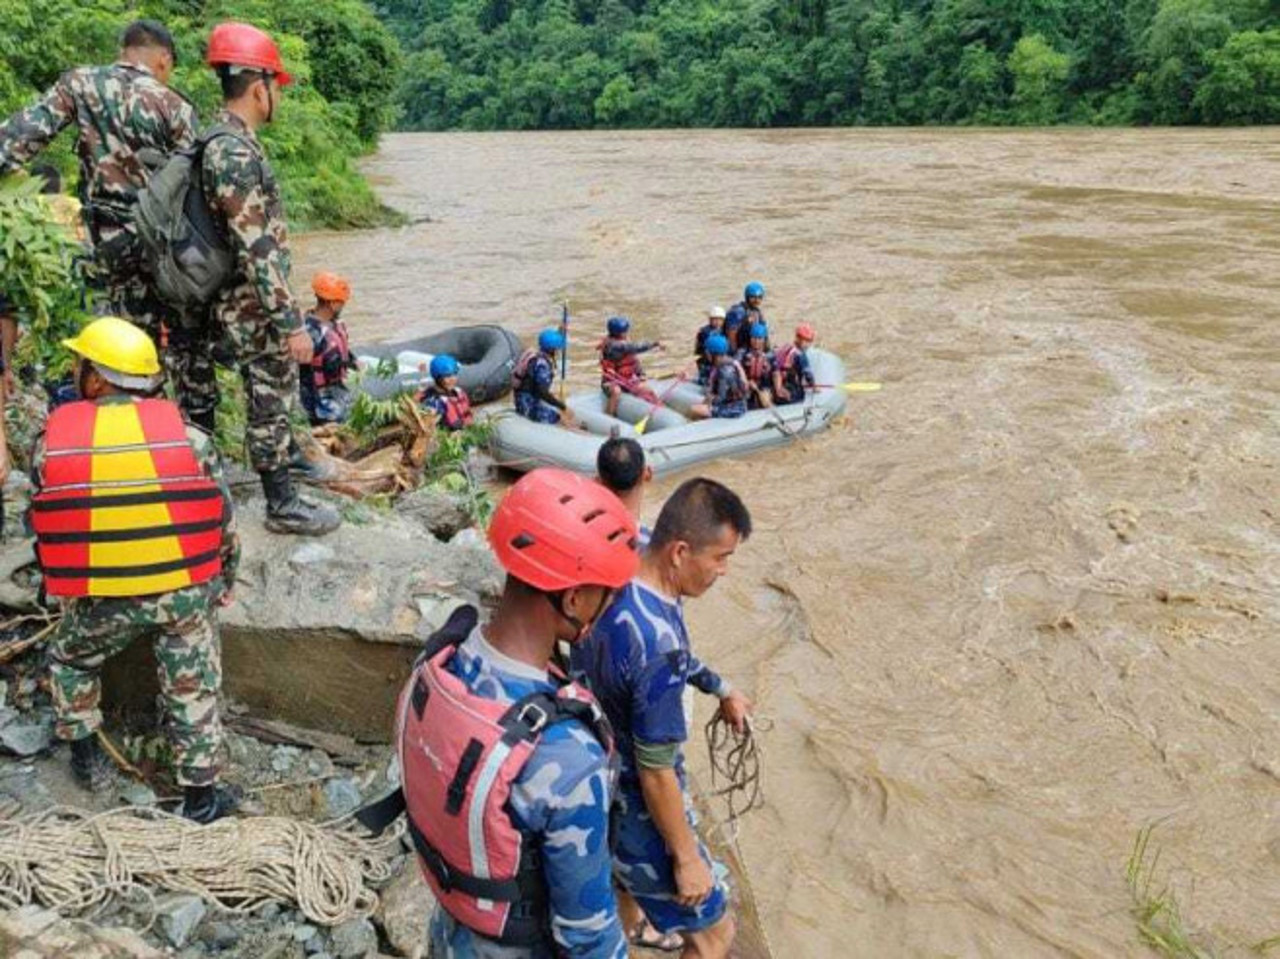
(556, 530)
(805, 332)
(241, 45)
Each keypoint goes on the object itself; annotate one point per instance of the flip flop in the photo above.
(644, 936)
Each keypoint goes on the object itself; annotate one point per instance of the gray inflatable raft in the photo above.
(486, 356)
(672, 441)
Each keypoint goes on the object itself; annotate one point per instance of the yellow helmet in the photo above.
(122, 353)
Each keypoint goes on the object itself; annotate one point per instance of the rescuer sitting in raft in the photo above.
(639, 661)
(715, 324)
(505, 762)
(792, 371)
(324, 393)
(727, 390)
(444, 397)
(757, 364)
(135, 532)
(742, 315)
(531, 381)
(620, 370)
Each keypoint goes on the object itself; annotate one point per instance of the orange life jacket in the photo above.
(622, 369)
(124, 508)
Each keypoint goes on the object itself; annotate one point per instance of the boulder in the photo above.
(178, 915)
(355, 939)
(440, 513)
(35, 933)
(404, 909)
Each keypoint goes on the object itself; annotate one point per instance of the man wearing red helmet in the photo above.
(256, 311)
(504, 761)
(792, 371)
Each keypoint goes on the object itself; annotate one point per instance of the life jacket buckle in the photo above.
(538, 720)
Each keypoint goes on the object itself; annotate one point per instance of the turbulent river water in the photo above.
(1018, 605)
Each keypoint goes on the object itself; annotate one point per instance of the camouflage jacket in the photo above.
(127, 121)
(210, 462)
(243, 193)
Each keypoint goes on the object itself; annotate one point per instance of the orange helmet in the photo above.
(241, 45)
(331, 287)
(805, 332)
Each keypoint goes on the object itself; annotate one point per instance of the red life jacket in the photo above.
(459, 755)
(521, 369)
(333, 355)
(785, 356)
(756, 364)
(457, 406)
(124, 508)
(620, 370)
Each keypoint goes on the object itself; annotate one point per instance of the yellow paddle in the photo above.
(850, 387)
(643, 423)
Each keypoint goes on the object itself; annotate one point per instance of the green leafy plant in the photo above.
(39, 275)
(1156, 911)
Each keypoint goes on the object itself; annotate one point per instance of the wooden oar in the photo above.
(643, 423)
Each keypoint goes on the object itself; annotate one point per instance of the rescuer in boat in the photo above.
(531, 381)
(638, 660)
(715, 324)
(792, 371)
(620, 370)
(444, 397)
(506, 763)
(757, 365)
(727, 391)
(135, 532)
(322, 381)
(741, 315)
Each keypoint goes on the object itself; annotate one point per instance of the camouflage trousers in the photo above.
(182, 627)
(270, 379)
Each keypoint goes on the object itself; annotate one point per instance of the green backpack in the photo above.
(185, 249)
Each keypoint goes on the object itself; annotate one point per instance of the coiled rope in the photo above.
(73, 861)
(734, 759)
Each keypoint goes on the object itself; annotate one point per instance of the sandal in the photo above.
(644, 936)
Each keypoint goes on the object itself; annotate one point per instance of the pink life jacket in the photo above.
(521, 369)
(459, 756)
(457, 406)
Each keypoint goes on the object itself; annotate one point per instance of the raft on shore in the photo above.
(486, 356)
(672, 441)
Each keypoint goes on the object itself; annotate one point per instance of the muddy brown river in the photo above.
(1018, 605)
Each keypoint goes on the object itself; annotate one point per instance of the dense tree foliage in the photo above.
(490, 64)
(347, 62)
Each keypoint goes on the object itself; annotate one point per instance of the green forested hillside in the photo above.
(348, 61)
(525, 64)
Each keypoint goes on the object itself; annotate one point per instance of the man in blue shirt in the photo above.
(621, 469)
(638, 662)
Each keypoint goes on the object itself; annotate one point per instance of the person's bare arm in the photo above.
(665, 802)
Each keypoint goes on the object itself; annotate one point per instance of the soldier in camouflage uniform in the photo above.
(116, 364)
(257, 313)
(128, 122)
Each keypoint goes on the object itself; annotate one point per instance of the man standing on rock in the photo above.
(638, 660)
(135, 531)
(257, 309)
(128, 121)
(504, 761)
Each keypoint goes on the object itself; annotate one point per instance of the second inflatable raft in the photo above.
(672, 441)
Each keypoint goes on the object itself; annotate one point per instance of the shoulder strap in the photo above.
(462, 621)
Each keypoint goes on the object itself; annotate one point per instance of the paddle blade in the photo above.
(641, 426)
(861, 387)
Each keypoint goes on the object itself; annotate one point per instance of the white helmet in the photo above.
(716, 312)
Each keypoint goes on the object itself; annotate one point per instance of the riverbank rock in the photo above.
(323, 632)
(403, 911)
(35, 933)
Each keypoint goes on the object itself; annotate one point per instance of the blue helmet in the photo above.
(550, 340)
(442, 366)
(618, 325)
(717, 345)
(759, 331)
(753, 289)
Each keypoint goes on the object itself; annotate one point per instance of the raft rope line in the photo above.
(70, 860)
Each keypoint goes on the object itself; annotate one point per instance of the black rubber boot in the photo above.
(287, 512)
(90, 764)
(204, 804)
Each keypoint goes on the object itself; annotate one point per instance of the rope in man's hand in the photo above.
(734, 758)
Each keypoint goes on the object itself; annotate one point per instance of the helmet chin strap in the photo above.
(557, 603)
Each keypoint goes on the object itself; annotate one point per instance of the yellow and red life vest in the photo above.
(124, 507)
